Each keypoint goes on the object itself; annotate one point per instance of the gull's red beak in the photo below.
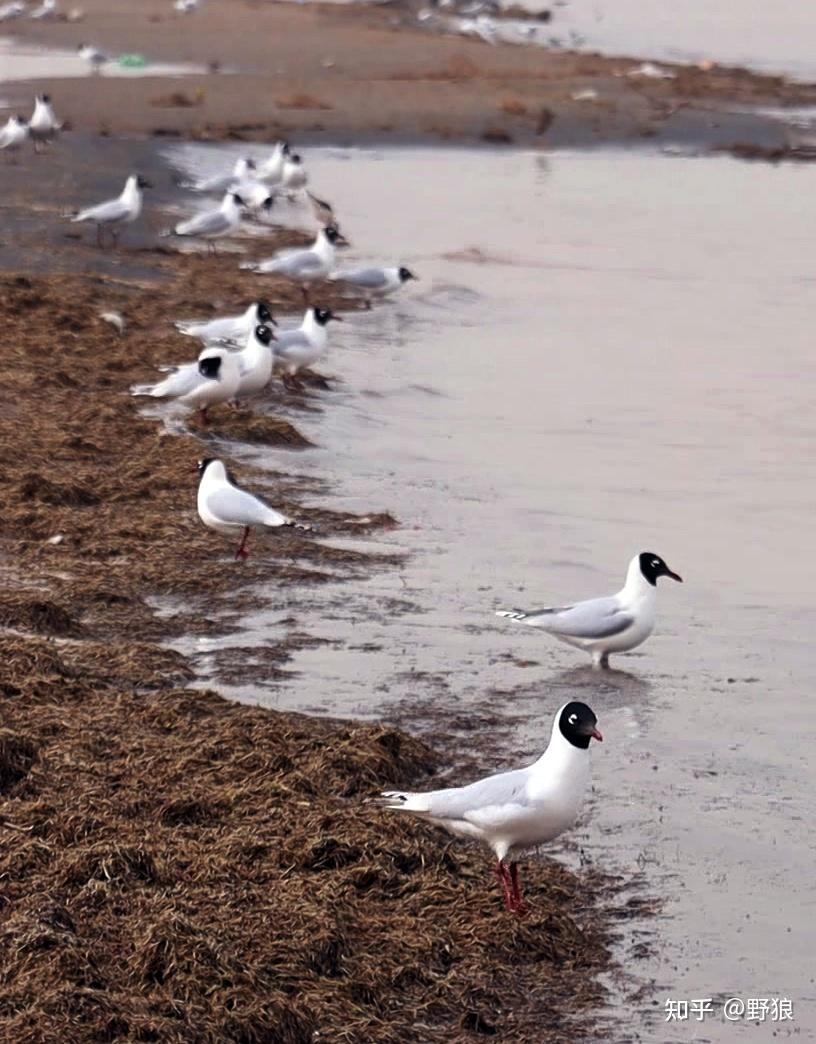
(596, 734)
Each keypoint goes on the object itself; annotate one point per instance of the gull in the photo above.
(305, 264)
(47, 9)
(185, 6)
(13, 134)
(228, 328)
(93, 56)
(271, 171)
(374, 282)
(43, 125)
(606, 625)
(242, 168)
(228, 509)
(519, 809)
(255, 362)
(294, 174)
(116, 212)
(296, 349)
(213, 379)
(12, 10)
(213, 224)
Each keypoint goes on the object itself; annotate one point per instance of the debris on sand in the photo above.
(174, 867)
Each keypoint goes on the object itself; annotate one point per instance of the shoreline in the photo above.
(348, 74)
(174, 866)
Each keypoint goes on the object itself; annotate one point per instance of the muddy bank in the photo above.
(174, 867)
(354, 73)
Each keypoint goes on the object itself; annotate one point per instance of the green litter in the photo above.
(133, 61)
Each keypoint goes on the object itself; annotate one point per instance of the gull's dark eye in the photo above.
(572, 719)
(655, 563)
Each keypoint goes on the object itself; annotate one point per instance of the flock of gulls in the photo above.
(241, 353)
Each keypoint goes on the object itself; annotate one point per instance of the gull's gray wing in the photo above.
(496, 798)
(211, 330)
(212, 223)
(181, 382)
(219, 183)
(237, 507)
(288, 340)
(303, 263)
(596, 618)
(365, 278)
(105, 213)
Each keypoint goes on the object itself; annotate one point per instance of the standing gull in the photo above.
(374, 282)
(243, 167)
(116, 212)
(271, 170)
(602, 626)
(212, 380)
(43, 125)
(296, 349)
(228, 509)
(518, 809)
(13, 134)
(305, 265)
(213, 224)
(93, 56)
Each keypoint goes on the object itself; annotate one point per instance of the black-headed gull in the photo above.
(603, 626)
(13, 134)
(46, 10)
(293, 175)
(271, 170)
(213, 224)
(244, 167)
(213, 379)
(43, 125)
(296, 349)
(228, 509)
(305, 265)
(519, 809)
(234, 328)
(114, 213)
(93, 56)
(14, 9)
(374, 282)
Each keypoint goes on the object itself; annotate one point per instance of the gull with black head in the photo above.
(213, 379)
(228, 509)
(374, 282)
(114, 213)
(213, 224)
(515, 810)
(305, 265)
(297, 349)
(43, 125)
(13, 134)
(232, 328)
(602, 626)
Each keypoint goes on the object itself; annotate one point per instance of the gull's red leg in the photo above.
(504, 877)
(242, 548)
(515, 885)
(202, 413)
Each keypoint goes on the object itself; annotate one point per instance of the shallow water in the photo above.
(607, 352)
(774, 38)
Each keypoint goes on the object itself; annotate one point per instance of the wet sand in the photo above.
(352, 74)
